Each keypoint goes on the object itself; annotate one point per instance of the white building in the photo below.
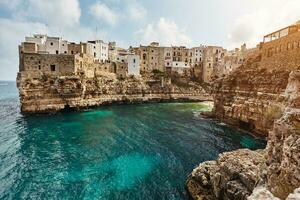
(196, 55)
(46, 44)
(180, 66)
(133, 62)
(168, 56)
(98, 49)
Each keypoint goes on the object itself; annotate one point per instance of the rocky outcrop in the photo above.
(51, 93)
(233, 175)
(284, 144)
(271, 174)
(252, 97)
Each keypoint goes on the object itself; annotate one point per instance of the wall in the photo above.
(282, 53)
(133, 65)
(64, 64)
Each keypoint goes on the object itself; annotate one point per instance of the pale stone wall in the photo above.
(29, 47)
(282, 53)
(50, 63)
(133, 62)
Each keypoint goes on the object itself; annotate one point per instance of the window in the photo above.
(40, 67)
(152, 58)
(39, 62)
(72, 52)
(133, 60)
(95, 54)
(176, 64)
(56, 52)
(52, 68)
(63, 45)
(144, 56)
(51, 43)
(65, 52)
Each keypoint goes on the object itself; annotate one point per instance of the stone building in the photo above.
(112, 51)
(212, 63)
(233, 59)
(168, 58)
(133, 63)
(46, 44)
(98, 49)
(51, 55)
(282, 47)
(74, 48)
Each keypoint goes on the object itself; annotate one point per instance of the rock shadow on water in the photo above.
(97, 113)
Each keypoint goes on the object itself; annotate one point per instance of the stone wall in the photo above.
(49, 63)
(283, 53)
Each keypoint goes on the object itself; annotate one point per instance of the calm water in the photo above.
(118, 152)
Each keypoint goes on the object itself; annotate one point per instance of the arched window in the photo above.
(144, 56)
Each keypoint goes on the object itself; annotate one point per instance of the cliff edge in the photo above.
(266, 101)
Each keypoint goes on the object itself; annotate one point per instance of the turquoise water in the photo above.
(114, 152)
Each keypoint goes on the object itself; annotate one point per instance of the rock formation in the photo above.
(51, 93)
(266, 101)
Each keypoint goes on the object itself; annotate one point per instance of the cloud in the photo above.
(103, 13)
(135, 11)
(54, 18)
(164, 31)
(55, 12)
(10, 4)
(265, 17)
(11, 36)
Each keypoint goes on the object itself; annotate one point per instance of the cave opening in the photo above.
(248, 126)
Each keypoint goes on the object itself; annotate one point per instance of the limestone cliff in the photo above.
(243, 174)
(51, 93)
(252, 97)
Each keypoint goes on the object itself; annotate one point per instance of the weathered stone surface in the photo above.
(51, 93)
(262, 193)
(277, 173)
(233, 176)
(295, 195)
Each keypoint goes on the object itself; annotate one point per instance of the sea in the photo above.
(126, 152)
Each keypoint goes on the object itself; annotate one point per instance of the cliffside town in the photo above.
(261, 96)
(55, 74)
(254, 89)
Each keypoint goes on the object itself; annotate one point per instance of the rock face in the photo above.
(261, 175)
(233, 176)
(252, 97)
(51, 93)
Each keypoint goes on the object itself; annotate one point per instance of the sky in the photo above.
(227, 23)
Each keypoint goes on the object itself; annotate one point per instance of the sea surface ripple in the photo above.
(115, 152)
